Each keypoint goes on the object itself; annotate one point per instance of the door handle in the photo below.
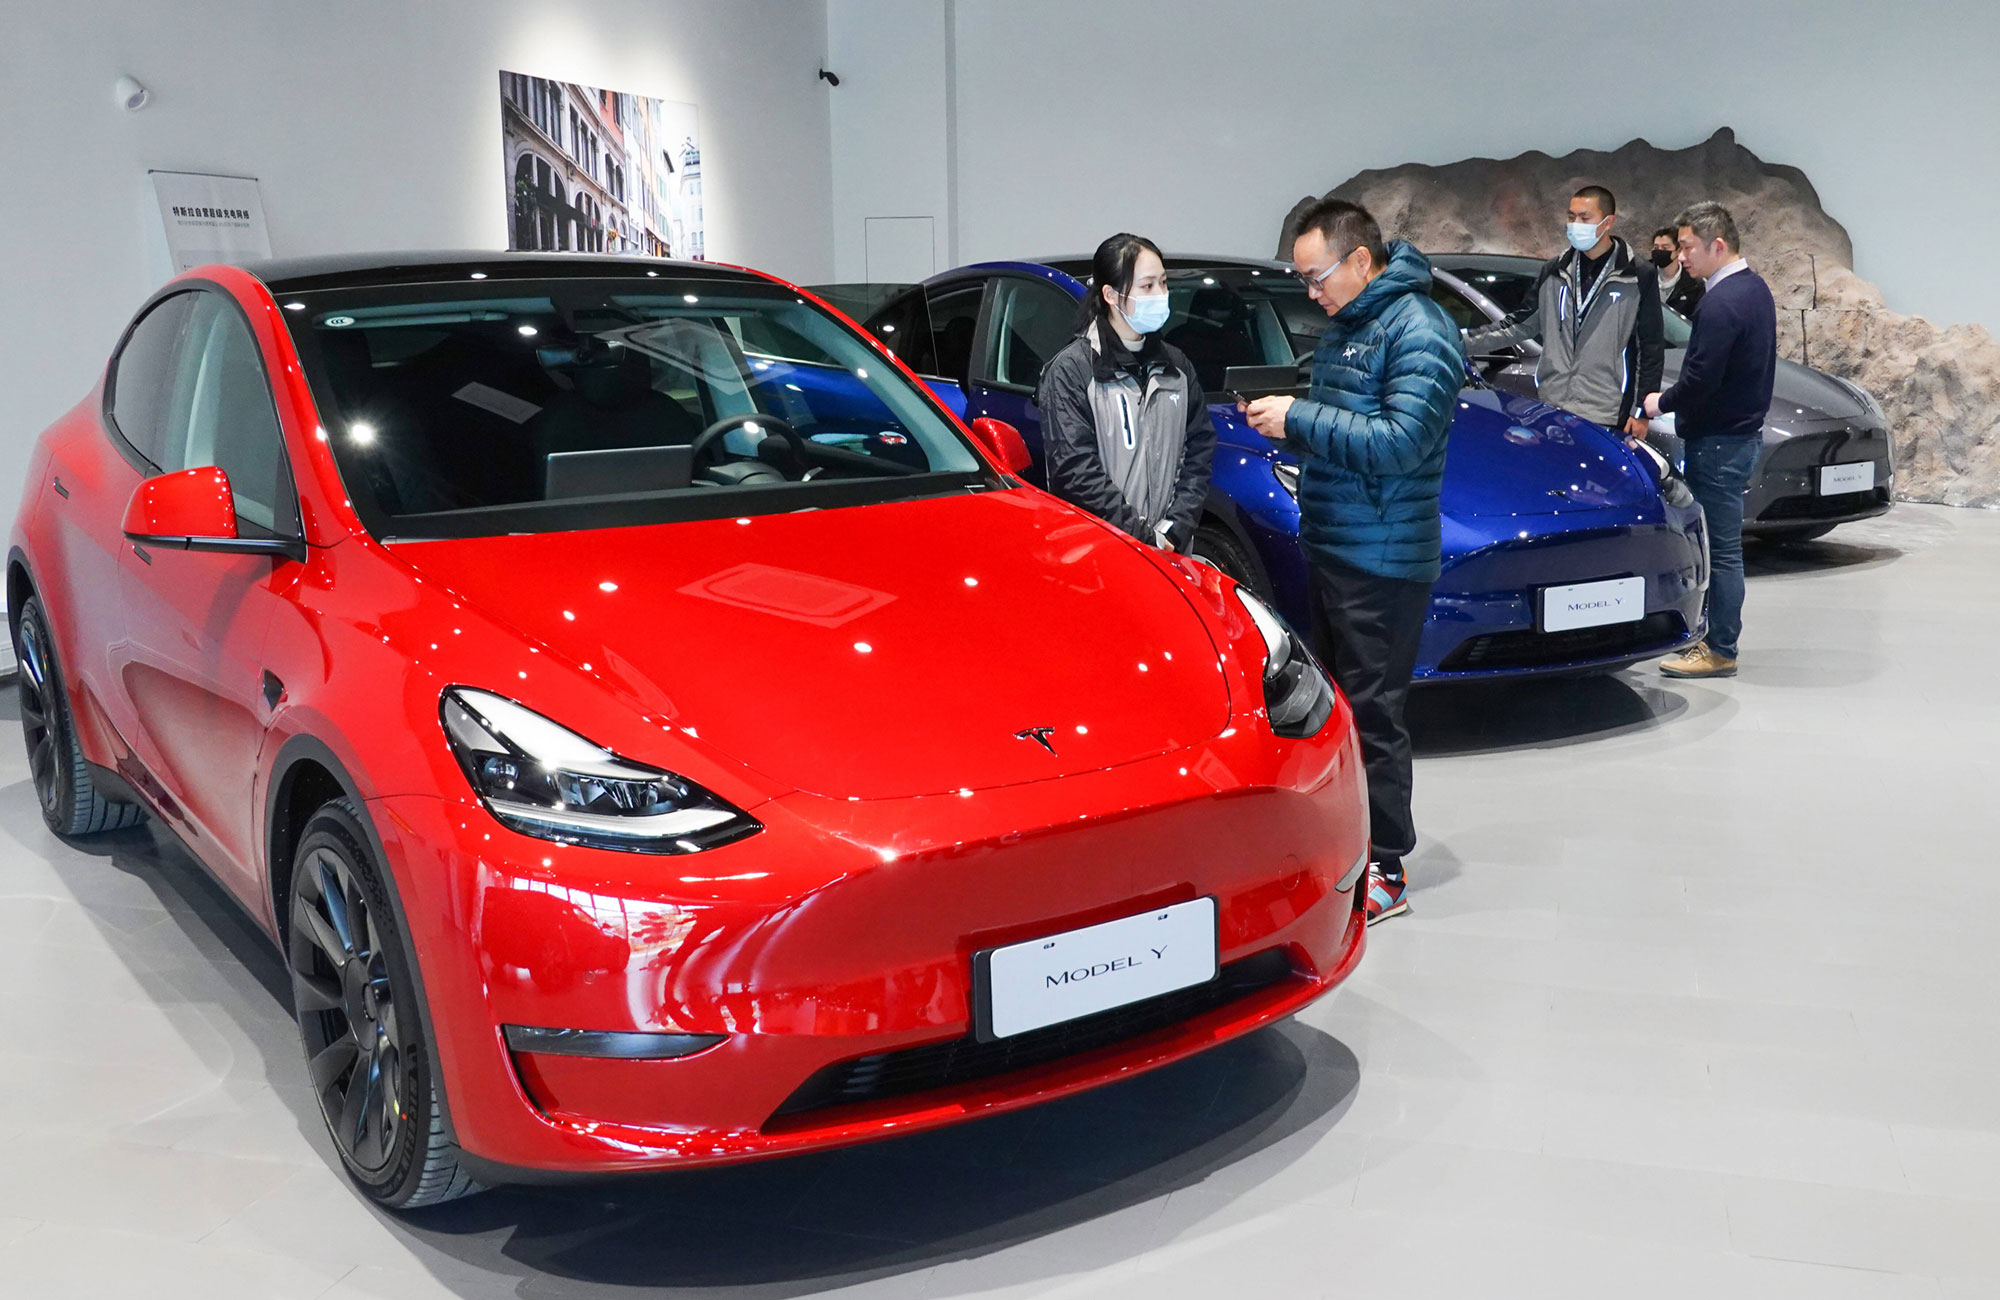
(274, 690)
(61, 491)
(142, 553)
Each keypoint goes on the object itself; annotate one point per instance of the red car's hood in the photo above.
(870, 652)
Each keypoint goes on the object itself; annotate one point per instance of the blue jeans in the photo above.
(1718, 469)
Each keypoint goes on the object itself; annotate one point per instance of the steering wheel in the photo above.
(728, 423)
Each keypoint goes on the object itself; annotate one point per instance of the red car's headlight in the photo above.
(1297, 694)
(545, 780)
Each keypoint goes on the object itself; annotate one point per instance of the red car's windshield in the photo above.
(511, 406)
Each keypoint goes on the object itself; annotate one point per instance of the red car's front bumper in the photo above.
(846, 930)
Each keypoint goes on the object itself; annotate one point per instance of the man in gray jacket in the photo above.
(1596, 312)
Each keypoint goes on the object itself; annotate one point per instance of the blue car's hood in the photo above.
(1511, 455)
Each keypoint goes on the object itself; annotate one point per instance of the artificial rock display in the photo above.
(1939, 385)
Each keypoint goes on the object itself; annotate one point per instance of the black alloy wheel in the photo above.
(70, 800)
(36, 726)
(359, 1022)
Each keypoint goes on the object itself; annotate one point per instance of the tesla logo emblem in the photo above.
(1040, 735)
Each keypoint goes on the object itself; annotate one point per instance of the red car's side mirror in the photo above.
(1002, 442)
(195, 510)
(173, 509)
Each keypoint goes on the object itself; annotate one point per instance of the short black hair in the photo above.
(1345, 227)
(1671, 234)
(1710, 221)
(1600, 196)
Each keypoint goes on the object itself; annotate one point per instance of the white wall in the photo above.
(892, 110)
(1200, 124)
(372, 124)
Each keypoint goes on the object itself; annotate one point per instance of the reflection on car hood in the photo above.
(1513, 456)
(870, 652)
(1797, 392)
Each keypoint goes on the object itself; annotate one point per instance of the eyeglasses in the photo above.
(1313, 280)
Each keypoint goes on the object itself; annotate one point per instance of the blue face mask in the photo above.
(1583, 235)
(1146, 313)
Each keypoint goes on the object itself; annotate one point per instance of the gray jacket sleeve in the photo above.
(1523, 325)
(1648, 345)
(1515, 330)
(1197, 460)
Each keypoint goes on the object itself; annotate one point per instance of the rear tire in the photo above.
(360, 1022)
(1216, 547)
(71, 802)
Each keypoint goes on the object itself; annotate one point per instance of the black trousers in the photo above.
(1367, 629)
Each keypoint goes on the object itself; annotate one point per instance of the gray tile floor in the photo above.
(1698, 998)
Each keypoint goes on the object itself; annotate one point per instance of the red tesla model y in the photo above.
(653, 729)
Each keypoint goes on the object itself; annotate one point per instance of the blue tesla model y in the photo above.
(1564, 550)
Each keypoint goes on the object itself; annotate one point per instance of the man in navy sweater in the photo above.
(1719, 404)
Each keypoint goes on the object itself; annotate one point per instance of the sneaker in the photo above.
(1386, 897)
(1698, 661)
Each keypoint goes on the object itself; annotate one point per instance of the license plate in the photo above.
(1593, 604)
(1857, 477)
(1060, 977)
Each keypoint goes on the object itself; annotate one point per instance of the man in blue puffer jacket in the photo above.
(1371, 433)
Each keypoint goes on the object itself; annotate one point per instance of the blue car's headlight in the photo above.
(545, 780)
(1297, 694)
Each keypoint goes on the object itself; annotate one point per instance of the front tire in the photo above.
(70, 800)
(1216, 547)
(360, 1022)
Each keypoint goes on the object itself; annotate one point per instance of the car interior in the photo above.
(454, 406)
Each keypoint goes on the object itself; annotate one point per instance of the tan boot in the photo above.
(1698, 661)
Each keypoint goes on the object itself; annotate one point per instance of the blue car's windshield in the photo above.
(1239, 316)
(533, 405)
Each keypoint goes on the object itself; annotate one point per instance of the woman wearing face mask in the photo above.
(1125, 427)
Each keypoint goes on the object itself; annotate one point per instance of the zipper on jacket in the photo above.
(1125, 412)
(1586, 301)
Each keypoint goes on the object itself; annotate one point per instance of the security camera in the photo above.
(130, 95)
(828, 77)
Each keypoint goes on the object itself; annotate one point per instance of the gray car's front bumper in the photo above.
(1785, 494)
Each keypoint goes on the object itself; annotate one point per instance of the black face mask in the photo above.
(1662, 258)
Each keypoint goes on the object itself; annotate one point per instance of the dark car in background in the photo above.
(1544, 514)
(1826, 458)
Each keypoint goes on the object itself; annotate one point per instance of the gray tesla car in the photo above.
(1826, 458)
